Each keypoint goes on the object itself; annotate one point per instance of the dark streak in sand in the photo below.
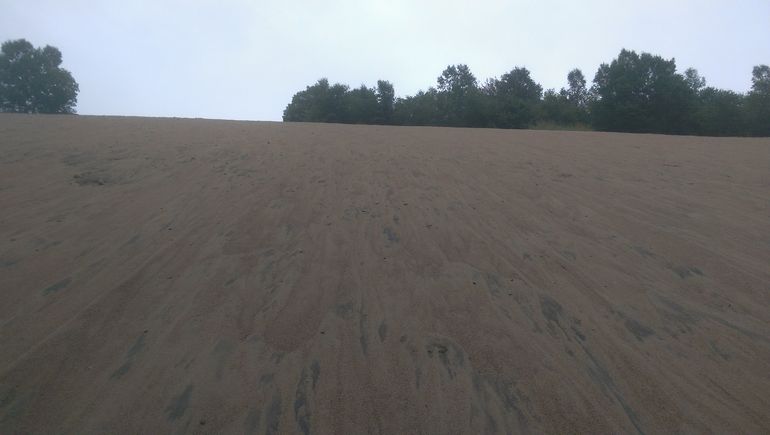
(179, 405)
(58, 286)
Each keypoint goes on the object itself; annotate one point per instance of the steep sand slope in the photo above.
(164, 275)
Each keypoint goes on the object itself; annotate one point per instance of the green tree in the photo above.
(362, 106)
(308, 105)
(323, 102)
(423, 108)
(336, 105)
(719, 113)
(758, 101)
(694, 80)
(319, 103)
(556, 108)
(33, 81)
(516, 96)
(568, 107)
(576, 92)
(641, 93)
(386, 99)
(458, 95)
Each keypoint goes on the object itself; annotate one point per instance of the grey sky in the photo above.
(245, 59)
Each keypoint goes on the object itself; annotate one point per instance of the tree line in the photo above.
(638, 93)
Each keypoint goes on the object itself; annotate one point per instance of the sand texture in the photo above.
(193, 276)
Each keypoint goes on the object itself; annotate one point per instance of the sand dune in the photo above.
(192, 276)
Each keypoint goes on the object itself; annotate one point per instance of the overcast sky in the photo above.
(245, 59)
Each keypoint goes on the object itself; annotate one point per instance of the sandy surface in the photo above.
(165, 276)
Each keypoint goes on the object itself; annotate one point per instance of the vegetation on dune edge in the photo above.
(635, 93)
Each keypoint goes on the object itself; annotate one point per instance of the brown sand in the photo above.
(163, 275)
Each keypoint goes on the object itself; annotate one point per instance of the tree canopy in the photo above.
(634, 92)
(33, 81)
(323, 102)
(641, 94)
(758, 101)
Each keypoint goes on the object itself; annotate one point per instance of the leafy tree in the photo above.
(458, 95)
(641, 93)
(719, 113)
(386, 100)
(308, 105)
(516, 97)
(568, 107)
(576, 93)
(694, 81)
(33, 81)
(336, 104)
(422, 108)
(758, 101)
(319, 103)
(518, 83)
(323, 102)
(556, 108)
(362, 106)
